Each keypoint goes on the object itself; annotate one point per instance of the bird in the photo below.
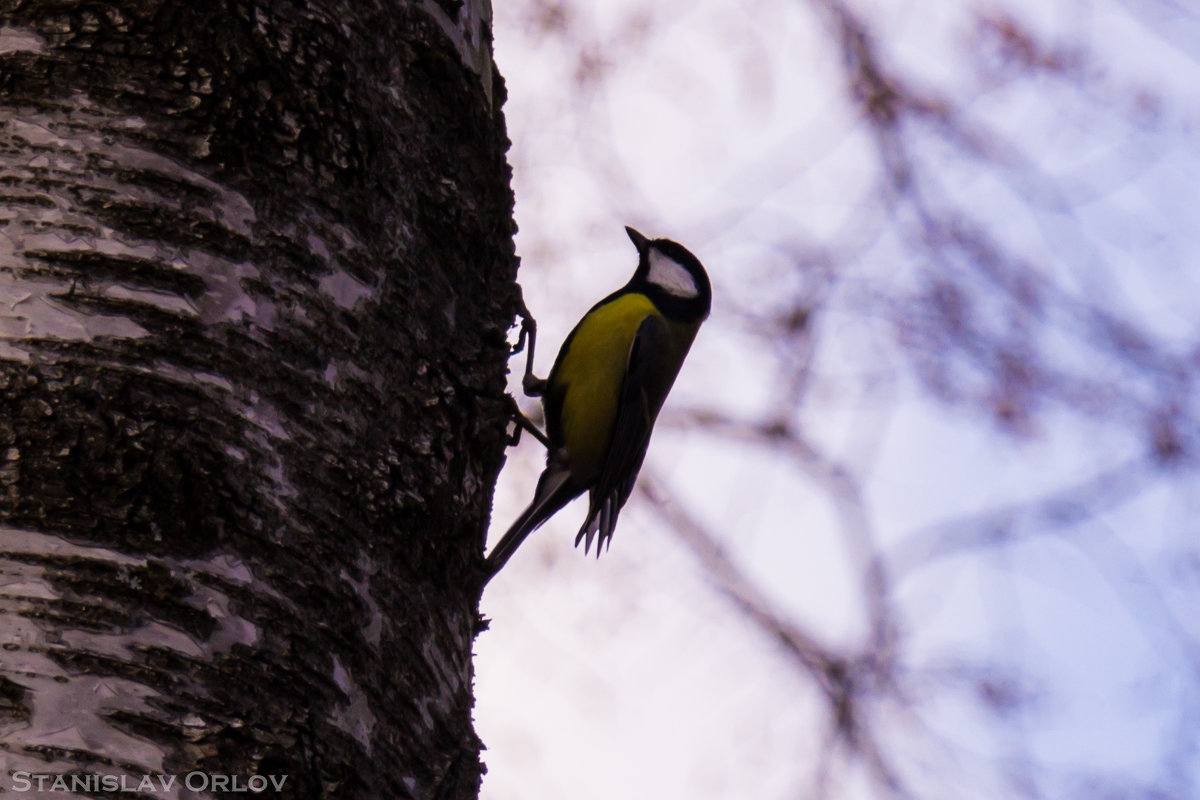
(605, 390)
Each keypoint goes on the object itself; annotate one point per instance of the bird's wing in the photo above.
(637, 408)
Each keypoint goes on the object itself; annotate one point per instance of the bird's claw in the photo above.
(523, 422)
(531, 385)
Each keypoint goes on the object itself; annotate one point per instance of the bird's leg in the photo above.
(524, 423)
(532, 385)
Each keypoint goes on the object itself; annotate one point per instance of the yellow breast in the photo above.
(591, 370)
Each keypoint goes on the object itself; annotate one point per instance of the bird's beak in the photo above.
(639, 241)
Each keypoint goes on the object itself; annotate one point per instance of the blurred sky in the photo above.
(1061, 664)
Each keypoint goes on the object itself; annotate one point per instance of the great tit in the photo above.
(605, 390)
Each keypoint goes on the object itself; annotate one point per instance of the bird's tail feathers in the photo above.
(554, 491)
(602, 520)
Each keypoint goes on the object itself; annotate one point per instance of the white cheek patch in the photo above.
(669, 274)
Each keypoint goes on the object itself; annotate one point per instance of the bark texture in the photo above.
(256, 271)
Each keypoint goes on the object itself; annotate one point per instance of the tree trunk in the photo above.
(256, 271)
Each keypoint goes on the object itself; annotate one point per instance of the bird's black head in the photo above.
(672, 277)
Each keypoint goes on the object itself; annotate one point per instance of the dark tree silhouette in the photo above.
(257, 273)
